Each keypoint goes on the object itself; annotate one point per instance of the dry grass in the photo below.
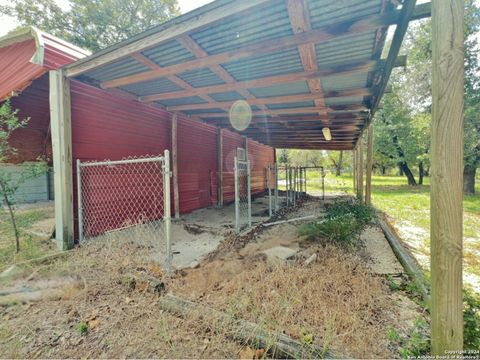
(337, 300)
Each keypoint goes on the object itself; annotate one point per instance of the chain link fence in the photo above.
(124, 206)
(243, 199)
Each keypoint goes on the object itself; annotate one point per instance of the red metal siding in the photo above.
(231, 141)
(109, 126)
(16, 70)
(260, 156)
(197, 164)
(33, 140)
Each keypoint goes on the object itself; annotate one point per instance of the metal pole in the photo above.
(167, 216)
(79, 202)
(295, 186)
(249, 196)
(323, 183)
(276, 186)
(237, 198)
(269, 190)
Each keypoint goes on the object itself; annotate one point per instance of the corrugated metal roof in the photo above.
(242, 29)
(168, 54)
(200, 77)
(228, 43)
(293, 88)
(151, 87)
(278, 63)
(122, 67)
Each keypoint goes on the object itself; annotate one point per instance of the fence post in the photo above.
(269, 177)
(306, 170)
(166, 208)
(295, 186)
(249, 195)
(276, 187)
(79, 202)
(237, 198)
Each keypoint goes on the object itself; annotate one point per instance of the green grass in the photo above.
(411, 204)
(30, 246)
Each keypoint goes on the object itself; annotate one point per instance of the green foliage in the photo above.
(82, 328)
(471, 318)
(416, 344)
(342, 222)
(92, 24)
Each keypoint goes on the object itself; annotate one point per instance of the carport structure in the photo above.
(303, 66)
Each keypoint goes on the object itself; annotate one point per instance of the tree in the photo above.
(417, 86)
(336, 157)
(91, 24)
(305, 157)
(9, 184)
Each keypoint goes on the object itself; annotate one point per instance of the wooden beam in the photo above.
(446, 226)
(197, 50)
(300, 21)
(220, 166)
(360, 170)
(353, 109)
(173, 78)
(354, 169)
(343, 70)
(326, 33)
(176, 197)
(61, 130)
(368, 188)
(160, 34)
(274, 100)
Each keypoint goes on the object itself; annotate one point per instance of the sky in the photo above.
(8, 23)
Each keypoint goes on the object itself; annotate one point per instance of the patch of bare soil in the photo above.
(112, 309)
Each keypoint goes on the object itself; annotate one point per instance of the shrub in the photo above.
(341, 223)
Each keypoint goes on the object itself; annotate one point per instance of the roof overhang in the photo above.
(301, 65)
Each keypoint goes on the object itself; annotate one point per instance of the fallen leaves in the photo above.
(250, 354)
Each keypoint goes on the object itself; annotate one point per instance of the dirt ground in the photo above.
(102, 301)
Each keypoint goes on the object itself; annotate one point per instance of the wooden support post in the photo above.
(368, 188)
(245, 145)
(360, 170)
(176, 197)
(447, 176)
(220, 166)
(354, 170)
(61, 130)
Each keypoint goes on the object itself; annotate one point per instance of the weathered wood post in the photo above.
(446, 176)
(354, 169)
(368, 188)
(360, 170)
(61, 130)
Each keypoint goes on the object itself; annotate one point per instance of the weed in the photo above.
(416, 344)
(82, 328)
(342, 222)
(471, 319)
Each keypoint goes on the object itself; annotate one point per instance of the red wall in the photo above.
(109, 126)
(33, 140)
(197, 164)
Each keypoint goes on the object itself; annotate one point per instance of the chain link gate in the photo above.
(243, 200)
(127, 202)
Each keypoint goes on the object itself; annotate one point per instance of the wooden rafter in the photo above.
(298, 13)
(218, 70)
(344, 70)
(323, 34)
(173, 78)
(274, 100)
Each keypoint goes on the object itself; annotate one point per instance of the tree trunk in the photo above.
(12, 218)
(426, 171)
(400, 170)
(384, 170)
(338, 170)
(421, 173)
(469, 173)
(408, 173)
